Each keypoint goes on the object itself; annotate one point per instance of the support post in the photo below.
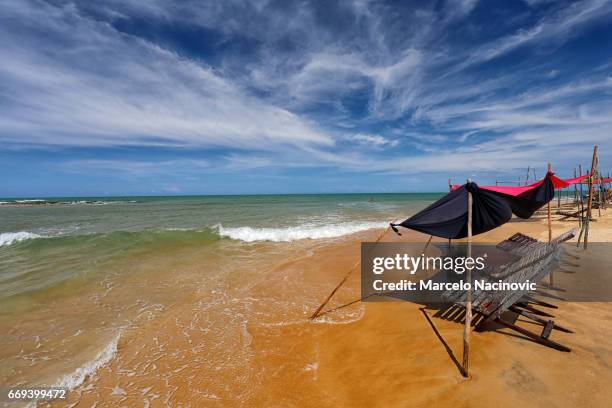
(575, 187)
(602, 196)
(549, 215)
(550, 277)
(468, 300)
(590, 198)
(527, 178)
(599, 194)
(581, 202)
(344, 279)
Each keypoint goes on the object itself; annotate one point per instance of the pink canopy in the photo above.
(557, 183)
(577, 179)
(518, 190)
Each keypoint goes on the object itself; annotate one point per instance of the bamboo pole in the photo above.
(450, 188)
(590, 198)
(549, 215)
(606, 188)
(550, 277)
(527, 178)
(559, 199)
(333, 292)
(468, 300)
(575, 187)
(581, 201)
(600, 195)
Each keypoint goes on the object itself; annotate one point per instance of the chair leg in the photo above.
(535, 337)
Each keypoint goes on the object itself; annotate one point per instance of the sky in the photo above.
(156, 97)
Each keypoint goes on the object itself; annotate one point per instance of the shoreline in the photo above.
(379, 354)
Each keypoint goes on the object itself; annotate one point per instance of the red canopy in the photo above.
(518, 190)
(557, 183)
(577, 179)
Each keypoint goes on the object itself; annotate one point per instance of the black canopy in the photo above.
(525, 204)
(448, 217)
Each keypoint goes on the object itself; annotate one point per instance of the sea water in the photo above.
(77, 275)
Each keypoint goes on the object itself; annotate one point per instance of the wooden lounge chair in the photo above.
(535, 262)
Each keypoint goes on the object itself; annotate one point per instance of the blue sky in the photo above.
(134, 97)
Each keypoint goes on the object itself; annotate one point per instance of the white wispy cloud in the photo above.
(71, 78)
(375, 140)
(85, 84)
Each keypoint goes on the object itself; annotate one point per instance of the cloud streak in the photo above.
(358, 86)
(93, 86)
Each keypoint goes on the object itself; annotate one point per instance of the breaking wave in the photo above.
(40, 201)
(287, 234)
(78, 376)
(9, 238)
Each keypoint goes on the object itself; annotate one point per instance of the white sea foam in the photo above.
(36, 200)
(286, 234)
(9, 238)
(78, 376)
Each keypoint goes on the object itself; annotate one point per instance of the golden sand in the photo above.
(248, 342)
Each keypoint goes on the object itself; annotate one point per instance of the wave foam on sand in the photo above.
(78, 376)
(287, 234)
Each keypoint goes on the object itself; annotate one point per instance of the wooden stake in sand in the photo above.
(590, 197)
(468, 300)
(602, 196)
(549, 217)
(581, 201)
(550, 277)
(575, 187)
(333, 292)
(527, 178)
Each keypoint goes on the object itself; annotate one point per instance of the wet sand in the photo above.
(247, 341)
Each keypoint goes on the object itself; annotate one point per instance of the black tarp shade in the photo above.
(447, 217)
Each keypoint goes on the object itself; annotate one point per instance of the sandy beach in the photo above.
(363, 354)
(191, 192)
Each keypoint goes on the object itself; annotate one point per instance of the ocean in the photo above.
(80, 275)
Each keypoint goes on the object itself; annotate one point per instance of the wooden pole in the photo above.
(333, 292)
(558, 196)
(604, 191)
(468, 300)
(581, 200)
(550, 277)
(600, 195)
(549, 215)
(575, 187)
(527, 178)
(590, 198)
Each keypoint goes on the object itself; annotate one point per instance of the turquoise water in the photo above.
(76, 272)
(74, 215)
(79, 233)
